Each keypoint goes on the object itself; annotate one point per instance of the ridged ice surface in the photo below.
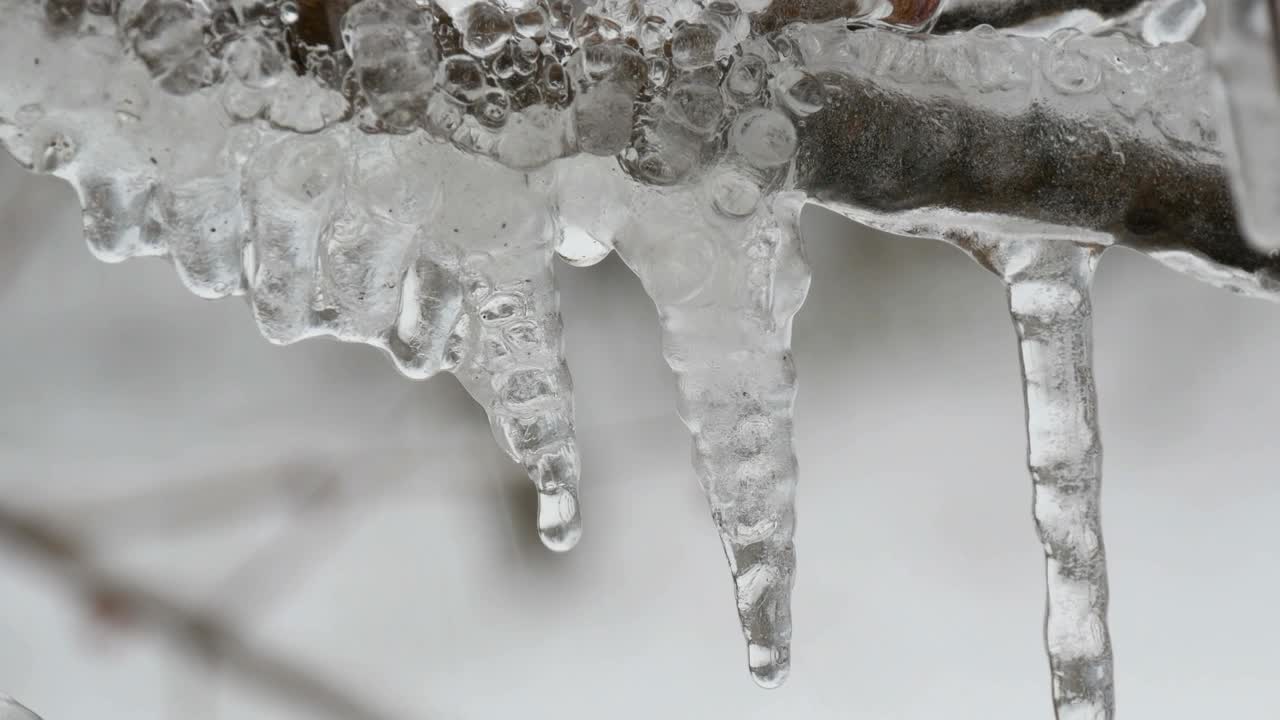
(402, 174)
(1048, 289)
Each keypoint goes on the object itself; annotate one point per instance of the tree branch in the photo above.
(196, 631)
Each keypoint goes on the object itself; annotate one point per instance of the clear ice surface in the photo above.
(1048, 289)
(402, 174)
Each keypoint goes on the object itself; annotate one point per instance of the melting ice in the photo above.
(402, 173)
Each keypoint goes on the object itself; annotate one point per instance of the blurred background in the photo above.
(358, 537)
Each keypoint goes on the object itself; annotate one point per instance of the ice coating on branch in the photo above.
(1095, 139)
(1156, 22)
(401, 174)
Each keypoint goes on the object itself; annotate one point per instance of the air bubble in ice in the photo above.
(764, 138)
(693, 45)
(801, 93)
(487, 30)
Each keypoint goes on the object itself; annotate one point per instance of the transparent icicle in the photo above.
(726, 294)
(510, 345)
(1051, 309)
(1048, 285)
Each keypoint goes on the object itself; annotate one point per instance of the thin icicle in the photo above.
(1048, 284)
(726, 294)
(507, 347)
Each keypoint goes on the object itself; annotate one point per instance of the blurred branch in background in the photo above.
(11, 709)
(204, 634)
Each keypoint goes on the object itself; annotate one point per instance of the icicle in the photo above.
(1048, 289)
(737, 390)
(726, 293)
(290, 188)
(507, 346)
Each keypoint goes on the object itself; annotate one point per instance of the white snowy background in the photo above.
(165, 430)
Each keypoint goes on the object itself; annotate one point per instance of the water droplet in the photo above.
(580, 248)
(627, 13)
(54, 152)
(555, 82)
(559, 18)
(531, 23)
(802, 94)
(599, 60)
(693, 46)
(746, 79)
(764, 138)
(487, 30)
(504, 65)
(654, 33)
(493, 108)
(1069, 70)
(444, 114)
(289, 12)
(590, 29)
(769, 665)
(695, 106)
(464, 78)
(734, 194)
(522, 335)
(559, 519)
(603, 117)
(501, 306)
(659, 71)
(985, 31)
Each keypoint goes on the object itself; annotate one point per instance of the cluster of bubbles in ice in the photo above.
(402, 175)
(392, 184)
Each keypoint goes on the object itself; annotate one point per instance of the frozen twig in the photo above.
(196, 631)
(11, 709)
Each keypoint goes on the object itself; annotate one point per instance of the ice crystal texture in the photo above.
(404, 173)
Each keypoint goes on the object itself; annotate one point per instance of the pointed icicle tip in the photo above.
(554, 471)
(763, 575)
